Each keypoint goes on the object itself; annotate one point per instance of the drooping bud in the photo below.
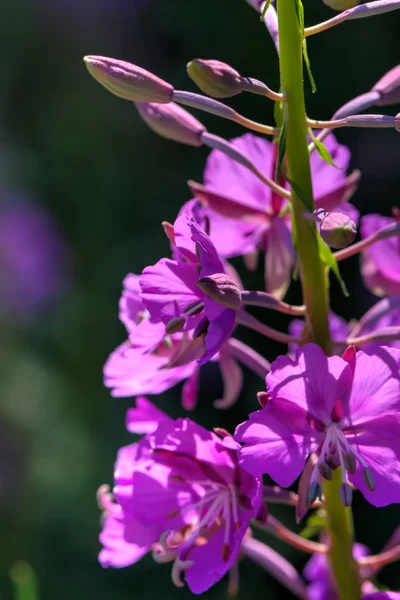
(221, 288)
(172, 122)
(346, 494)
(397, 122)
(389, 88)
(341, 4)
(338, 230)
(128, 81)
(215, 78)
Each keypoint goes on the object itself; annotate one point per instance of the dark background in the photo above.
(108, 182)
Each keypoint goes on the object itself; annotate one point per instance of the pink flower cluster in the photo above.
(188, 495)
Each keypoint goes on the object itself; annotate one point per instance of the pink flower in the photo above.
(344, 409)
(380, 262)
(246, 216)
(180, 493)
(171, 294)
(151, 361)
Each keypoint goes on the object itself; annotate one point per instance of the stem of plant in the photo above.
(313, 272)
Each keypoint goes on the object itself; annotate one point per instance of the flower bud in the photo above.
(338, 230)
(172, 122)
(341, 4)
(221, 288)
(128, 81)
(397, 122)
(215, 78)
(389, 88)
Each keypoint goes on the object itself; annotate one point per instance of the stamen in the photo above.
(346, 494)
(325, 470)
(350, 462)
(314, 492)
(194, 308)
(368, 479)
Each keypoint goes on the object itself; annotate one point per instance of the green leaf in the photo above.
(281, 148)
(300, 15)
(266, 7)
(327, 258)
(301, 194)
(308, 67)
(323, 150)
(278, 113)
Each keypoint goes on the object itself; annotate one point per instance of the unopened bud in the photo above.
(338, 230)
(341, 4)
(175, 325)
(172, 122)
(389, 88)
(346, 494)
(325, 470)
(221, 288)
(215, 78)
(128, 81)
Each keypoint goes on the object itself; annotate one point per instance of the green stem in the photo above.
(298, 165)
(313, 272)
(340, 527)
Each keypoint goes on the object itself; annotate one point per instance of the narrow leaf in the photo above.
(308, 67)
(300, 15)
(281, 149)
(327, 257)
(322, 150)
(264, 12)
(301, 194)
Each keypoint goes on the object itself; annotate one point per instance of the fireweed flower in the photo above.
(321, 581)
(141, 365)
(380, 262)
(246, 216)
(33, 258)
(344, 409)
(181, 494)
(171, 293)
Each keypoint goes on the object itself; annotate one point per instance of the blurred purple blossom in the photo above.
(34, 260)
(380, 264)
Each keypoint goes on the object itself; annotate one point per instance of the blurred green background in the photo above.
(107, 181)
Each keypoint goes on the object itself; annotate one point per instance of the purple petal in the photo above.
(383, 596)
(376, 385)
(382, 260)
(209, 565)
(382, 457)
(129, 372)
(224, 175)
(190, 391)
(277, 441)
(313, 381)
(130, 303)
(218, 333)
(125, 540)
(168, 288)
(144, 418)
(232, 378)
(279, 257)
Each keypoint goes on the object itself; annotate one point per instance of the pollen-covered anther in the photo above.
(368, 479)
(176, 324)
(325, 470)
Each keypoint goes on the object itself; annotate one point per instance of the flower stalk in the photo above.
(314, 280)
